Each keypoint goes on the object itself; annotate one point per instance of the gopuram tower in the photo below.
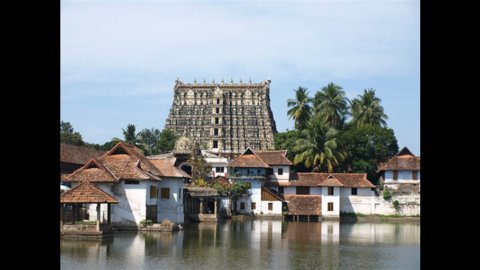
(223, 117)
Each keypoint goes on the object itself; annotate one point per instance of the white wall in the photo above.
(171, 208)
(255, 196)
(346, 191)
(219, 164)
(335, 199)
(290, 190)
(315, 190)
(276, 177)
(402, 176)
(276, 210)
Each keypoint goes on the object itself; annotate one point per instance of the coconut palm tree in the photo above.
(319, 148)
(366, 110)
(130, 135)
(331, 105)
(300, 109)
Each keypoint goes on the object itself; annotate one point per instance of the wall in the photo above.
(315, 190)
(289, 190)
(372, 205)
(171, 208)
(276, 210)
(284, 177)
(402, 176)
(218, 164)
(255, 196)
(346, 191)
(335, 199)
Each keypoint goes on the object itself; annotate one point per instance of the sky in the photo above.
(120, 59)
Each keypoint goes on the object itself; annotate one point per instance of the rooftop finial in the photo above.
(222, 80)
(204, 82)
(250, 80)
(213, 81)
(231, 80)
(195, 80)
(241, 81)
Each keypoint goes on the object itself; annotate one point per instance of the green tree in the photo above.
(366, 110)
(68, 135)
(130, 135)
(331, 105)
(238, 188)
(318, 149)
(368, 146)
(287, 141)
(167, 141)
(300, 110)
(109, 145)
(150, 139)
(201, 171)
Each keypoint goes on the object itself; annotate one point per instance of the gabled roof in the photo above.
(248, 159)
(276, 157)
(329, 180)
(122, 147)
(268, 195)
(75, 154)
(86, 192)
(93, 171)
(304, 204)
(403, 161)
(202, 192)
(167, 168)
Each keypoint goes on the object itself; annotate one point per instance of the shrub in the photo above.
(146, 222)
(396, 204)
(387, 195)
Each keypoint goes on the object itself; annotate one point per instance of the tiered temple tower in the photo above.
(223, 117)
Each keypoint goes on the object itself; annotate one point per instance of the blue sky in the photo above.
(119, 59)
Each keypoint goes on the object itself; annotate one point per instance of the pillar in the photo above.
(74, 208)
(308, 218)
(109, 214)
(201, 205)
(98, 217)
(215, 206)
(61, 217)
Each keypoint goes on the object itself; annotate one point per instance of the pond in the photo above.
(259, 244)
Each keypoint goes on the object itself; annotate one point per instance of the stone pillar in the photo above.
(109, 214)
(74, 211)
(215, 206)
(201, 205)
(98, 217)
(61, 217)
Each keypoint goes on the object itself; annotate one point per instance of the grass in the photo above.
(84, 222)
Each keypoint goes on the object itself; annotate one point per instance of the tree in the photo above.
(368, 146)
(130, 136)
(109, 145)
(201, 171)
(318, 148)
(300, 109)
(331, 105)
(150, 139)
(366, 110)
(167, 140)
(68, 135)
(238, 188)
(287, 141)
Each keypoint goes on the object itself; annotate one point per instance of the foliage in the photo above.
(287, 141)
(300, 109)
(167, 141)
(396, 205)
(130, 135)
(387, 195)
(366, 110)
(367, 147)
(239, 188)
(318, 149)
(331, 105)
(223, 189)
(146, 222)
(200, 169)
(68, 135)
(149, 138)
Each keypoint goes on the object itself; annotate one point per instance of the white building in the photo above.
(404, 168)
(144, 189)
(219, 164)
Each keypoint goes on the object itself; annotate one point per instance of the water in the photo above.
(254, 245)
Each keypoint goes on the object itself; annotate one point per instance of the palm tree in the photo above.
(130, 135)
(319, 148)
(300, 108)
(331, 105)
(366, 110)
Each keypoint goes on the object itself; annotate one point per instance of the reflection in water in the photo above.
(254, 245)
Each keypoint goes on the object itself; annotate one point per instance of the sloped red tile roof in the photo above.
(86, 192)
(277, 157)
(167, 168)
(401, 163)
(78, 154)
(248, 160)
(93, 171)
(304, 204)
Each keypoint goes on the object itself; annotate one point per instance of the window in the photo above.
(215, 144)
(270, 206)
(254, 205)
(217, 110)
(330, 190)
(303, 190)
(165, 193)
(280, 171)
(131, 182)
(180, 193)
(216, 120)
(219, 169)
(242, 206)
(218, 101)
(270, 171)
(280, 190)
(395, 175)
(215, 131)
(153, 192)
(354, 191)
(330, 206)
(414, 175)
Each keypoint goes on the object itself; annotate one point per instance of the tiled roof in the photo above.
(277, 157)
(248, 160)
(86, 192)
(202, 191)
(329, 180)
(167, 168)
(77, 154)
(93, 171)
(358, 180)
(304, 204)
(403, 161)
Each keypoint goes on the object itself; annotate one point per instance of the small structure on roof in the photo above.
(86, 193)
(402, 172)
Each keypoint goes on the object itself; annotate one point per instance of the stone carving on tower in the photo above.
(223, 117)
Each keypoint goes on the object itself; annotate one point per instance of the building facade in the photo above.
(223, 117)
